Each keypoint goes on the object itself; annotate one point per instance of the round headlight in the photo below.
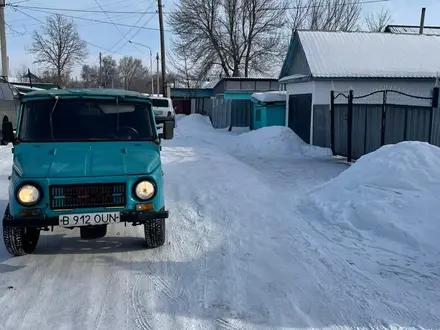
(145, 190)
(28, 194)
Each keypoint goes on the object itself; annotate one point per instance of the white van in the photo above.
(163, 109)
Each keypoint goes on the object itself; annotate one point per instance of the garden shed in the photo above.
(269, 109)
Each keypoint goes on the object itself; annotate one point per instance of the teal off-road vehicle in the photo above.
(87, 159)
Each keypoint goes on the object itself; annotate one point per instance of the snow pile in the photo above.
(275, 141)
(195, 123)
(266, 97)
(390, 196)
(180, 116)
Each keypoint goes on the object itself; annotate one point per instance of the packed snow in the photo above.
(255, 240)
(388, 198)
(275, 141)
(267, 97)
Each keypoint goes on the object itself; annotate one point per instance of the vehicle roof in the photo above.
(91, 92)
(159, 98)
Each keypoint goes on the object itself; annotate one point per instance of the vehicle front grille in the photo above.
(87, 195)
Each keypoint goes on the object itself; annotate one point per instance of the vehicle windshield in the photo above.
(85, 120)
(159, 103)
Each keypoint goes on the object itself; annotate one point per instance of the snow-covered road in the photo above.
(239, 255)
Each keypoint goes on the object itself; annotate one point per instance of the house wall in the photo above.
(268, 115)
(275, 115)
(299, 63)
(362, 87)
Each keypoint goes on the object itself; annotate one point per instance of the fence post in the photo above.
(435, 99)
(384, 111)
(349, 126)
(332, 121)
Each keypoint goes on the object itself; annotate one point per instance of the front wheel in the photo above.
(19, 241)
(154, 233)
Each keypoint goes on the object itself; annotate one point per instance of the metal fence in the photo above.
(226, 113)
(361, 124)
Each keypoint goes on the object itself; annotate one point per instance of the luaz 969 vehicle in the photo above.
(87, 159)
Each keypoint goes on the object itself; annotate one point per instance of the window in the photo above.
(85, 120)
(160, 103)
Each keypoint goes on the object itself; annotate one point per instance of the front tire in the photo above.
(154, 233)
(19, 241)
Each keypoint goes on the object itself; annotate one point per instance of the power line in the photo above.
(134, 35)
(83, 10)
(89, 43)
(119, 30)
(318, 6)
(95, 20)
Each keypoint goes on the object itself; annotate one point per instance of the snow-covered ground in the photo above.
(260, 237)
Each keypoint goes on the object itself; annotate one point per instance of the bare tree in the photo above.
(90, 76)
(129, 68)
(237, 37)
(110, 73)
(183, 71)
(21, 73)
(58, 46)
(342, 15)
(376, 22)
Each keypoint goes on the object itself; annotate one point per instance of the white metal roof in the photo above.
(274, 96)
(428, 30)
(364, 54)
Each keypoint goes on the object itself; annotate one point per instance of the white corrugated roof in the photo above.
(274, 96)
(428, 30)
(363, 54)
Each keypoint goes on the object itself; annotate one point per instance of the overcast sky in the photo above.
(107, 36)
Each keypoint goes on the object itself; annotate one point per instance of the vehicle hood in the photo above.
(66, 160)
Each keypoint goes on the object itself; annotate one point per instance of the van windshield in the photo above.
(86, 120)
(159, 103)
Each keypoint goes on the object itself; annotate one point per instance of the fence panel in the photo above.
(221, 113)
(340, 129)
(375, 123)
(418, 124)
(241, 113)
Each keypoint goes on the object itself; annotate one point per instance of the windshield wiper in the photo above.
(57, 98)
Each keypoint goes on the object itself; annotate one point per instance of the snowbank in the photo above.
(390, 196)
(195, 123)
(275, 141)
(180, 116)
(275, 96)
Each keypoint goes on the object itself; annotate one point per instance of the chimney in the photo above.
(422, 21)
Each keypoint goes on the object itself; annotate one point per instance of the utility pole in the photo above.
(157, 76)
(151, 72)
(100, 70)
(162, 47)
(3, 40)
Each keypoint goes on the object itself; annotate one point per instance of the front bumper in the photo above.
(130, 217)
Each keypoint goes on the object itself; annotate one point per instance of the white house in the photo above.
(321, 61)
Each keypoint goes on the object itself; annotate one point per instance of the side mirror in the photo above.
(168, 130)
(8, 132)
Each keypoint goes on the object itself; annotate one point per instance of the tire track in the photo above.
(140, 320)
(165, 288)
(224, 324)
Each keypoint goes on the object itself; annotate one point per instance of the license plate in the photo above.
(89, 219)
